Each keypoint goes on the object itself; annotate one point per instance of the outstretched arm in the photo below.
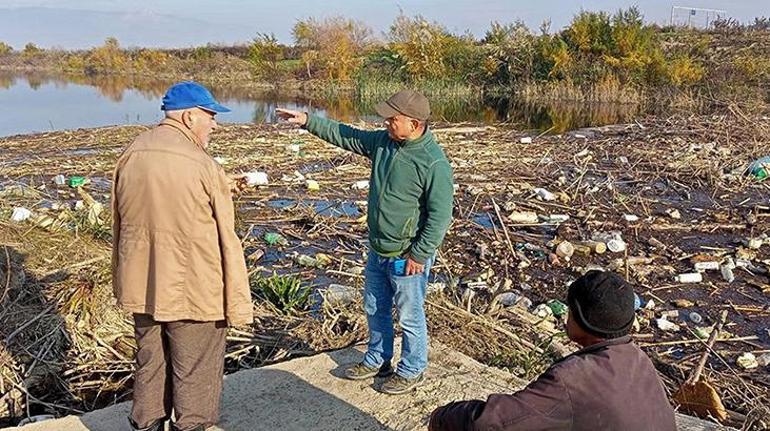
(349, 138)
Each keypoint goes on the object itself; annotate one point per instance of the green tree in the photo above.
(265, 55)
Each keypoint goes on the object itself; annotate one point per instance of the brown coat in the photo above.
(175, 252)
(607, 386)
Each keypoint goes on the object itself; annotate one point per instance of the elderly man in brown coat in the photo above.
(177, 264)
(608, 385)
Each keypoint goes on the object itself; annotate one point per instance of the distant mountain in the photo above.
(74, 29)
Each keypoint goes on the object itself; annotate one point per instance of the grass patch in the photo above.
(285, 292)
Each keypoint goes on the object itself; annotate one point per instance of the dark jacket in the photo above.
(608, 386)
(410, 188)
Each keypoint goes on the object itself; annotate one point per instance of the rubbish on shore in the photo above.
(256, 255)
(616, 245)
(760, 168)
(637, 302)
(555, 218)
(323, 259)
(670, 314)
(695, 318)
(305, 260)
(689, 277)
(76, 181)
(274, 238)
(523, 217)
(674, 213)
(312, 185)
(666, 325)
(727, 270)
(747, 361)
(256, 178)
(509, 299)
(542, 311)
(696, 396)
(631, 217)
(565, 250)
(597, 247)
(707, 266)
(221, 160)
(557, 307)
(60, 180)
(544, 194)
(763, 360)
(361, 185)
(683, 303)
(337, 294)
(755, 243)
(526, 140)
(20, 214)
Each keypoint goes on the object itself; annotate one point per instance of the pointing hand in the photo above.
(294, 117)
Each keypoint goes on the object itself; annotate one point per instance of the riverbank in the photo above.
(673, 188)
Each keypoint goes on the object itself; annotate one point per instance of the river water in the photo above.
(38, 102)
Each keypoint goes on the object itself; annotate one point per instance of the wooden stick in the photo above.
(709, 345)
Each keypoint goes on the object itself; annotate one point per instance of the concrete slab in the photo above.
(309, 394)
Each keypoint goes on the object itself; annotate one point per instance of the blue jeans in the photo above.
(380, 290)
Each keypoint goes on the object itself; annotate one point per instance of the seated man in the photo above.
(608, 385)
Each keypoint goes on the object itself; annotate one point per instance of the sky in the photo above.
(76, 24)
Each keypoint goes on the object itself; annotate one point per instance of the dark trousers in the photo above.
(179, 365)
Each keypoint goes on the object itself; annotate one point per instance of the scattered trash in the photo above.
(727, 270)
(565, 250)
(361, 185)
(706, 266)
(760, 168)
(60, 180)
(323, 259)
(544, 194)
(631, 217)
(274, 238)
(526, 140)
(312, 185)
(747, 361)
(670, 314)
(637, 302)
(755, 243)
(666, 325)
(555, 218)
(20, 214)
(683, 303)
(256, 178)
(616, 245)
(222, 160)
(695, 318)
(690, 277)
(523, 217)
(76, 181)
(763, 360)
(557, 307)
(674, 213)
(337, 294)
(543, 311)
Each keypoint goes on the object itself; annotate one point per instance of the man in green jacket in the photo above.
(409, 211)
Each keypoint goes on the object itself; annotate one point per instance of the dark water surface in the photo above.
(37, 102)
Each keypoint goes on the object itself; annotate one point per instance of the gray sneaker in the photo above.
(360, 371)
(397, 385)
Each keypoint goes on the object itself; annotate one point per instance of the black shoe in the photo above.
(157, 425)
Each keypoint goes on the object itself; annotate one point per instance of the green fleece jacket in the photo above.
(410, 187)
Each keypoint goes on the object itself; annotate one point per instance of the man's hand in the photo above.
(412, 267)
(294, 117)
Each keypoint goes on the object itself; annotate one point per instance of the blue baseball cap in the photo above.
(189, 94)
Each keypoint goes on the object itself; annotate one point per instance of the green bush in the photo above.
(5, 48)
